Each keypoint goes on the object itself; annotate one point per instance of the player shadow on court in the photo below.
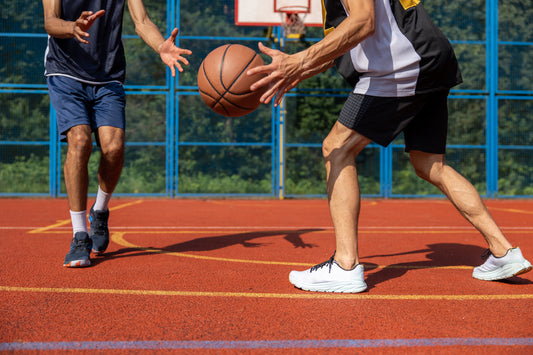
(438, 255)
(246, 239)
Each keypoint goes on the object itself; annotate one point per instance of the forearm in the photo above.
(346, 36)
(59, 28)
(54, 25)
(150, 34)
(144, 26)
(319, 69)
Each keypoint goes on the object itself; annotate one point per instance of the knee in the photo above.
(339, 148)
(113, 150)
(333, 151)
(430, 171)
(79, 142)
(342, 145)
(327, 147)
(422, 172)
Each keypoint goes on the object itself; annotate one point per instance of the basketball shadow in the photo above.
(245, 239)
(440, 254)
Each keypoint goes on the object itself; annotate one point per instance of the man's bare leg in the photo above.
(75, 168)
(112, 159)
(340, 149)
(463, 195)
(77, 181)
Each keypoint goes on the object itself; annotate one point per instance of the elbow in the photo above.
(47, 26)
(370, 27)
(138, 28)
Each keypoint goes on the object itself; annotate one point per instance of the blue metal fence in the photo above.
(492, 152)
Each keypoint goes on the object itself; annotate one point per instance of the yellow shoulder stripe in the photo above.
(407, 4)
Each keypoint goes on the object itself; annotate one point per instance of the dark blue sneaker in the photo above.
(99, 233)
(80, 250)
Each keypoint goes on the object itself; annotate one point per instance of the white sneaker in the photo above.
(330, 277)
(509, 265)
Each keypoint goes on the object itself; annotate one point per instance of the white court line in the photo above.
(361, 228)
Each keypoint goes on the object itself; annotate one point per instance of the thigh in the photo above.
(70, 102)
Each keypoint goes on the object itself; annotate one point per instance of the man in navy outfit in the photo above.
(85, 68)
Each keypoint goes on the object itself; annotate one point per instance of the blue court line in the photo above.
(264, 344)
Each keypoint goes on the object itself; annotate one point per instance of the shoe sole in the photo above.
(505, 272)
(103, 246)
(337, 287)
(334, 289)
(78, 263)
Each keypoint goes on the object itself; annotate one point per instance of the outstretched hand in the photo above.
(171, 55)
(283, 73)
(84, 22)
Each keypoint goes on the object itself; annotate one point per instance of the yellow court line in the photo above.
(513, 210)
(118, 238)
(59, 223)
(364, 296)
(63, 222)
(241, 231)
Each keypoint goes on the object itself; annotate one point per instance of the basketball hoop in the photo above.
(293, 13)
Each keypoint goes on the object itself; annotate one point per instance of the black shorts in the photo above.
(422, 118)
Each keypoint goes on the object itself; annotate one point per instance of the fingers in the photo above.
(183, 60)
(96, 15)
(80, 39)
(271, 92)
(267, 80)
(185, 51)
(178, 65)
(263, 69)
(266, 50)
(85, 14)
(84, 22)
(174, 62)
(173, 35)
(78, 33)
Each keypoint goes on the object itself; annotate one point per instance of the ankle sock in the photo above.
(102, 200)
(79, 221)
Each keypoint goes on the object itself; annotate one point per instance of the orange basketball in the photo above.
(223, 83)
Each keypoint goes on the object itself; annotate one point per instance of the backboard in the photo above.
(263, 12)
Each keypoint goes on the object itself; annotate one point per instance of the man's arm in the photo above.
(150, 34)
(358, 26)
(57, 27)
(285, 71)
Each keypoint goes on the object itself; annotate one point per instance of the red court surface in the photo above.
(211, 276)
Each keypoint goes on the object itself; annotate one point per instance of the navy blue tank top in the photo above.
(100, 61)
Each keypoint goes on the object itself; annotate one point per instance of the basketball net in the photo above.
(293, 24)
(293, 13)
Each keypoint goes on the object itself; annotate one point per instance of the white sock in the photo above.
(79, 221)
(102, 200)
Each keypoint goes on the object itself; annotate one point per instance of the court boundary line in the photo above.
(263, 344)
(305, 295)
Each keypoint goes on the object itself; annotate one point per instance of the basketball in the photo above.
(223, 83)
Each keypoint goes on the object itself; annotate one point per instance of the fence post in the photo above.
(492, 100)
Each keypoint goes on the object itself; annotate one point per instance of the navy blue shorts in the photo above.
(78, 103)
(422, 118)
